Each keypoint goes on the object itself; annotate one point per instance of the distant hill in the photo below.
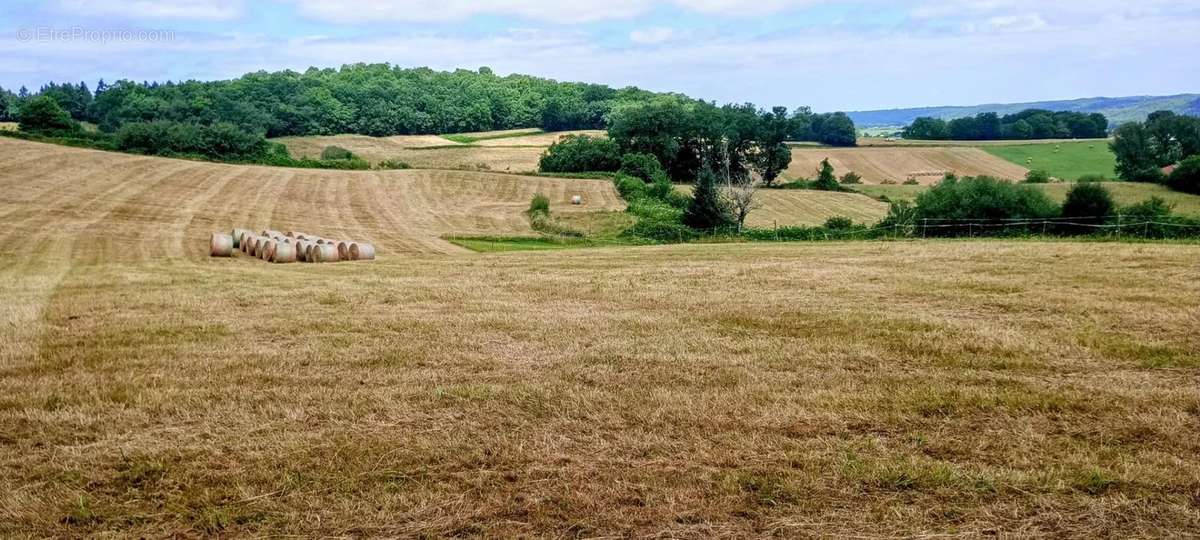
(1118, 110)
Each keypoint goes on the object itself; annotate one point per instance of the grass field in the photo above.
(882, 389)
(879, 141)
(1123, 193)
(1065, 160)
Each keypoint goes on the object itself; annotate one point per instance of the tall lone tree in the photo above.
(706, 210)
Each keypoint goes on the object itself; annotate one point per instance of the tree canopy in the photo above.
(1027, 124)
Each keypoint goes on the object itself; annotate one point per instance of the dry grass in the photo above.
(877, 165)
(867, 389)
(9, 126)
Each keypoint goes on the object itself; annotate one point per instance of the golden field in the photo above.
(866, 389)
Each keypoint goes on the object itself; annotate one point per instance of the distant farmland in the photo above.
(1124, 193)
(1067, 160)
(877, 165)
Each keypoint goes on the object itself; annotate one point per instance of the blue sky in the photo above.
(843, 55)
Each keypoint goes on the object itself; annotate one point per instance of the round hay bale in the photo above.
(283, 253)
(577, 199)
(260, 244)
(247, 239)
(362, 252)
(300, 248)
(221, 245)
(269, 250)
(325, 253)
(238, 235)
(343, 249)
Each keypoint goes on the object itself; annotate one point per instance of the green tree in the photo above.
(1088, 203)
(1186, 177)
(43, 113)
(826, 181)
(771, 161)
(707, 210)
(581, 153)
(644, 166)
(1138, 155)
(927, 128)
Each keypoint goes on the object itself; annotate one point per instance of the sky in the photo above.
(830, 55)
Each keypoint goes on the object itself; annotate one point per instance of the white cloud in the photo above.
(652, 35)
(212, 10)
(560, 11)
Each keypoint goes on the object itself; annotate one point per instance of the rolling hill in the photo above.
(1118, 109)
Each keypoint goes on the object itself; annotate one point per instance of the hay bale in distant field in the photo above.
(577, 199)
(284, 252)
(324, 253)
(268, 250)
(343, 249)
(361, 251)
(221, 245)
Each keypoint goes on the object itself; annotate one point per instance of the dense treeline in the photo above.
(382, 100)
(1027, 124)
(1164, 139)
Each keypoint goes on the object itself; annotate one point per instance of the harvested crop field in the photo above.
(421, 152)
(154, 208)
(877, 165)
(539, 139)
(940, 388)
(792, 207)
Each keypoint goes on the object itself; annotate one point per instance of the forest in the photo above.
(1024, 125)
(369, 99)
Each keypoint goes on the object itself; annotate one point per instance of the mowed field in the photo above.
(1066, 160)
(881, 389)
(877, 165)
(502, 153)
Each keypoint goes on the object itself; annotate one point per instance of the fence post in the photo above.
(1119, 225)
(777, 230)
(924, 223)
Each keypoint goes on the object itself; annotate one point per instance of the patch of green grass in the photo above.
(494, 244)
(464, 138)
(1066, 161)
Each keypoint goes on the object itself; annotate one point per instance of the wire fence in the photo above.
(1093, 226)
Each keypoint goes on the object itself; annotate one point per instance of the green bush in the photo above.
(1088, 203)
(336, 152)
(1186, 177)
(44, 114)
(660, 231)
(581, 153)
(1091, 178)
(644, 166)
(838, 223)
(393, 164)
(825, 180)
(539, 205)
(851, 178)
(1152, 209)
(911, 182)
(220, 141)
(1037, 176)
(980, 199)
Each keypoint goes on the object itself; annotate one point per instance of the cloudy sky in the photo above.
(831, 55)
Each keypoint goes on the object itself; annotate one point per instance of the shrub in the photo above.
(982, 199)
(1087, 203)
(1091, 178)
(219, 141)
(630, 188)
(540, 204)
(1037, 176)
(1152, 209)
(837, 223)
(851, 178)
(43, 113)
(911, 182)
(644, 166)
(393, 164)
(1186, 177)
(661, 231)
(336, 152)
(581, 153)
(825, 180)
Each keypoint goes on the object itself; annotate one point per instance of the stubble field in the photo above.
(835, 389)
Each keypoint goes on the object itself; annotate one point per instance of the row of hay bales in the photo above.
(289, 247)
